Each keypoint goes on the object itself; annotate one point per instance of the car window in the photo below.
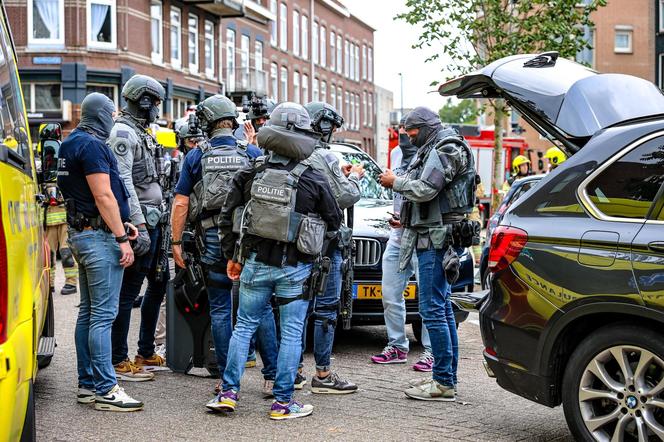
(369, 185)
(628, 187)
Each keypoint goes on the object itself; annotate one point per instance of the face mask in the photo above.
(97, 115)
(422, 136)
(153, 114)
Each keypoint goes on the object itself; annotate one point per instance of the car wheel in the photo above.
(29, 433)
(613, 387)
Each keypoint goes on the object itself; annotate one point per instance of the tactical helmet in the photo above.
(555, 155)
(324, 117)
(261, 111)
(215, 108)
(518, 161)
(290, 116)
(138, 85)
(50, 131)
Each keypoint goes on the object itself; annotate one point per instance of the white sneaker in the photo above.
(268, 385)
(85, 396)
(117, 400)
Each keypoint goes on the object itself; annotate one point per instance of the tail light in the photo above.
(506, 244)
(4, 293)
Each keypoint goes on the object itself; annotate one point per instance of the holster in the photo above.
(406, 213)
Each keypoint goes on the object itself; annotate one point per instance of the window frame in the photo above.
(274, 25)
(304, 44)
(274, 81)
(283, 84)
(333, 51)
(115, 88)
(322, 52)
(315, 50)
(113, 44)
(283, 26)
(31, 84)
(296, 32)
(370, 65)
(304, 93)
(296, 87)
(231, 58)
(630, 39)
(582, 192)
(209, 70)
(259, 55)
(32, 41)
(193, 68)
(364, 61)
(175, 62)
(157, 57)
(322, 92)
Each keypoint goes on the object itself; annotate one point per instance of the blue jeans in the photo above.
(437, 315)
(258, 283)
(100, 278)
(325, 311)
(394, 305)
(143, 267)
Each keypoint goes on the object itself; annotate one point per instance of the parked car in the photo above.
(517, 190)
(370, 233)
(575, 311)
(26, 304)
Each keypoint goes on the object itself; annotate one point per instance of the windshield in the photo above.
(369, 185)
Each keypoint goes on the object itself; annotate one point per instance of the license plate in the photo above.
(373, 291)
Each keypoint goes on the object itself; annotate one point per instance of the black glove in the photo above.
(142, 244)
(451, 264)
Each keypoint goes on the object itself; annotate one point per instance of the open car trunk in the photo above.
(559, 97)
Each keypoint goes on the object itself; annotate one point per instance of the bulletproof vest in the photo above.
(319, 161)
(218, 165)
(146, 166)
(459, 195)
(270, 213)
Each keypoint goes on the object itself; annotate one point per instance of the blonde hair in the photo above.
(224, 124)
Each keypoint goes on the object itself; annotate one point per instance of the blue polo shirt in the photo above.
(83, 154)
(191, 167)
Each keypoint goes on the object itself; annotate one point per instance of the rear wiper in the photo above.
(542, 60)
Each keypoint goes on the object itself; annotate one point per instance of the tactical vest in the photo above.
(459, 195)
(270, 213)
(319, 161)
(218, 165)
(147, 165)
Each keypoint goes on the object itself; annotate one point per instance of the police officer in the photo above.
(345, 185)
(287, 208)
(55, 219)
(439, 189)
(140, 163)
(199, 196)
(97, 204)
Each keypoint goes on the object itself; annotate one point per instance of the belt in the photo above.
(208, 223)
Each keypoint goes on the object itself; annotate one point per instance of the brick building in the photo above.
(195, 48)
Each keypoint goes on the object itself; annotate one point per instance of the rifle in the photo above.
(168, 180)
(347, 274)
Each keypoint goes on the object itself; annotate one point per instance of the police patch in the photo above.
(121, 149)
(122, 134)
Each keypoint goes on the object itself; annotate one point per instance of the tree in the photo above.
(474, 33)
(463, 112)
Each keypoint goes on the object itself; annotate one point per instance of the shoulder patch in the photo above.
(122, 134)
(121, 149)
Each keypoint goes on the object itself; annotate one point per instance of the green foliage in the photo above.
(474, 33)
(463, 112)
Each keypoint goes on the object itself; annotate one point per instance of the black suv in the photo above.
(575, 313)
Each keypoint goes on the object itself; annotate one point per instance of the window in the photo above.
(209, 49)
(333, 97)
(370, 67)
(101, 24)
(315, 95)
(357, 63)
(157, 31)
(661, 15)
(305, 37)
(244, 61)
(42, 97)
(296, 33)
(364, 108)
(284, 84)
(347, 59)
(623, 41)
(273, 24)
(176, 37)
(274, 83)
(627, 188)
(364, 62)
(111, 91)
(346, 109)
(357, 108)
(340, 102)
(323, 91)
(371, 115)
(46, 22)
(333, 52)
(230, 59)
(296, 87)
(340, 49)
(258, 55)
(323, 47)
(305, 88)
(587, 55)
(314, 43)
(283, 27)
(193, 43)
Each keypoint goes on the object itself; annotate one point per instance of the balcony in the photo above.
(245, 82)
(221, 8)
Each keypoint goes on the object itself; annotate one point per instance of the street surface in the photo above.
(175, 404)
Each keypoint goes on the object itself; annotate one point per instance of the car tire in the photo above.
(627, 401)
(29, 433)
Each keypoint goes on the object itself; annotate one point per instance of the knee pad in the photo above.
(67, 257)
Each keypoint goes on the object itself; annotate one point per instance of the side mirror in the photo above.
(49, 146)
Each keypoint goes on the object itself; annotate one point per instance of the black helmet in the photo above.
(324, 118)
(260, 108)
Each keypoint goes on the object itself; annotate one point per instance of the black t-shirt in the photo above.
(83, 154)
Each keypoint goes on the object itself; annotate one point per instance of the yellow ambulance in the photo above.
(26, 316)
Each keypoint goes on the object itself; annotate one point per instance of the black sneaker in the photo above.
(68, 289)
(300, 381)
(332, 384)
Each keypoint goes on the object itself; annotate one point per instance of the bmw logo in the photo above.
(631, 402)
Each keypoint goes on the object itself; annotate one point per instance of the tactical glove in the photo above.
(451, 264)
(142, 244)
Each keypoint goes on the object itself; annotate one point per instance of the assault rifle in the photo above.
(168, 180)
(347, 274)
